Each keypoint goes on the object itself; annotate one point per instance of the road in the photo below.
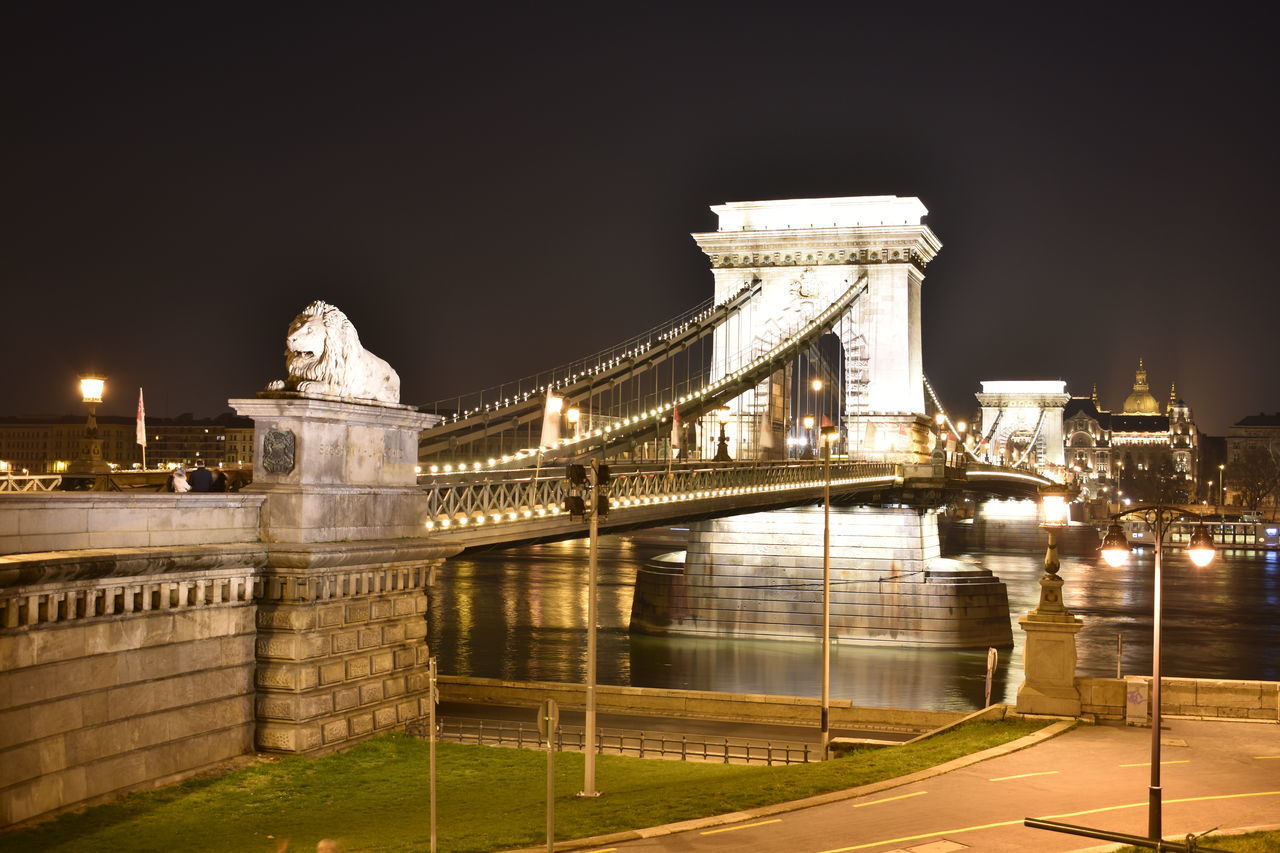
(1214, 774)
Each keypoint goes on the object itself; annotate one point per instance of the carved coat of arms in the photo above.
(278, 450)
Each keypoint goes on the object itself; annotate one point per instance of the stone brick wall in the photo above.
(123, 672)
(342, 649)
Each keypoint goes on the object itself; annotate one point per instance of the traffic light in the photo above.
(577, 476)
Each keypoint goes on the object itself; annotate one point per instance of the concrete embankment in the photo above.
(693, 704)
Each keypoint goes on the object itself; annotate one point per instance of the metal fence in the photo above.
(668, 745)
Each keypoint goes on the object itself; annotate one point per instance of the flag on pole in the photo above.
(551, 420)
(142, 421)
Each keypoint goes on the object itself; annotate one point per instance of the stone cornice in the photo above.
(915, 244)
(1044, 401)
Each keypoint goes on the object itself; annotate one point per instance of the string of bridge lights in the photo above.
(992, 431)
(654, 415)
(462, 519)
(569, 379)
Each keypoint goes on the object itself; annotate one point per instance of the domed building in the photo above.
(1146, 451)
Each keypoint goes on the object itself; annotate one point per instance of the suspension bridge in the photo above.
(814, 329)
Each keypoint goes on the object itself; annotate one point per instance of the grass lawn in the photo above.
(375, 797)
(1250, 842)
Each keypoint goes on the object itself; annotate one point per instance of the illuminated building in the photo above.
(1144, 451)
(47, 445)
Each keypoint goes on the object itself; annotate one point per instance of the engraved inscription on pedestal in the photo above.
(278, 451)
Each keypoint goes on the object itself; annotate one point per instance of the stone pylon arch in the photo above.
(801, 254)
(1017, 412)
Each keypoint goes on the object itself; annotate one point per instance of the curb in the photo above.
(710, 821)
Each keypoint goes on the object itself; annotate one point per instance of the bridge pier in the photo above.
(341, 622)
(760, 576)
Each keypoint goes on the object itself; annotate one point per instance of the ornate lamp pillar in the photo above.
(1050, 656)
(89, 460)
(722, 443)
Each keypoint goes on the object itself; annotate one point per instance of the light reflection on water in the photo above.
(519, 615)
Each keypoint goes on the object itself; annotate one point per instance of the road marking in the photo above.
(1162, 763)
(740, 826)
(1023, 776)
(1266, 756)
(1068, 814)
(889, 799)
(603, 850)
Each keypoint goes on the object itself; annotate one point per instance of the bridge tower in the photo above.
(1023, 417)
(801, 254)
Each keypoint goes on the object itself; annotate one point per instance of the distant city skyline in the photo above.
(487, 195)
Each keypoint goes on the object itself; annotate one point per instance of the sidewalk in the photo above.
(1215, 774)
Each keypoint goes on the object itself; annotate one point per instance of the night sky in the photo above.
(489, 190)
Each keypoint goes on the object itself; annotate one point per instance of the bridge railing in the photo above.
(462, 499)
(30, 482)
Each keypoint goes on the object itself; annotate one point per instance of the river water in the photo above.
(520, 615)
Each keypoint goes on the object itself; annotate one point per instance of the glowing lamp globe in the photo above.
(1200, 549)
(1115, 547)
(91, 387)
(1053, 507)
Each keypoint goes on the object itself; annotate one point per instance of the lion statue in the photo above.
(323, 355)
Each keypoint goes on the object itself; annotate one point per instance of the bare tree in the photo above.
(1254, 474)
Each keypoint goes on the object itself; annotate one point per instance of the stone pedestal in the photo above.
(891, 438)
(1049, 660)
(341, 645)
(335, 470)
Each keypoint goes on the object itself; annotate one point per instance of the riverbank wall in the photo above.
(1202, 698)
(692, 704)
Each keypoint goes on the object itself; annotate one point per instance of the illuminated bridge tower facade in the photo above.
(802, 254)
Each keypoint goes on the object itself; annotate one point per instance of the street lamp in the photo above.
(722, 443)
(1222, 484)
(90, 461)
(1115, 550)
(829, 436)
(588, 497)
(574, 416)
(807, 422)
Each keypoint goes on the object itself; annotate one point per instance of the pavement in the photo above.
(1216, 775)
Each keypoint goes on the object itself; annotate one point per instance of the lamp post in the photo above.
(828, 437)
(807, 422)
(1115, 550)
(722, 443)
(817, 386)
(1222, 484)
(90, 460)
(595, 505)
(574, 417)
